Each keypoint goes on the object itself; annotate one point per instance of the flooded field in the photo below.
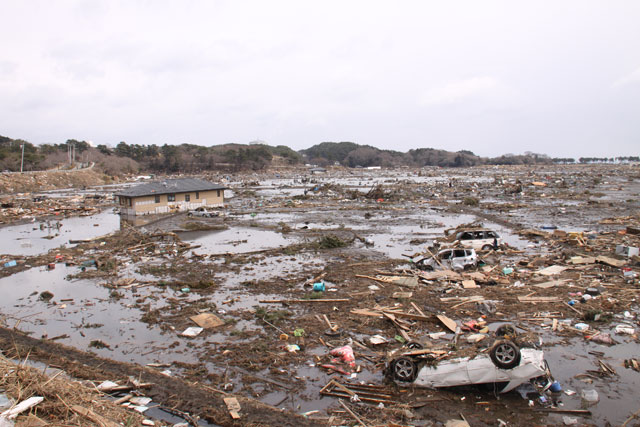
(39, 237)
(129, 293)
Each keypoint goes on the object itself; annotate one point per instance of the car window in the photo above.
(445, 255)
(459, 253)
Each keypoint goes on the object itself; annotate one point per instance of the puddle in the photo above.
(39, 237)
(76, 310)
(617, 395)
(236, 240)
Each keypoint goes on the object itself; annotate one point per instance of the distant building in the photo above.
(170, 195)
(317, 170)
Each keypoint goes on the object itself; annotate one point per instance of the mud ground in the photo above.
(281, 234)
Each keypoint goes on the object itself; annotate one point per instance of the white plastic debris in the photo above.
(192, 331)
(107, 385)
(21, 407)
(377, 339)
(590, 396)
(437, 335)
(581, 326)
(140, 400)
(625, 329)
(476, 337)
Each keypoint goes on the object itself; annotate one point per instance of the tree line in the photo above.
(191, 158)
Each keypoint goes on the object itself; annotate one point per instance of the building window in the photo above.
(171, 197)
(187, 197)
(218, 193)
(157, 199)
(197, 195)
(130, 200)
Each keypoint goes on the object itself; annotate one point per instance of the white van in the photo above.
(479, 239)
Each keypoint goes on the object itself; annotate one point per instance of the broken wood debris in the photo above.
(366, 393)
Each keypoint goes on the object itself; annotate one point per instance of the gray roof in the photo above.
(170, 186)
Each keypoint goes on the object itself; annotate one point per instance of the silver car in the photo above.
(479, 239)
(504, 362)
(203, 212)
(453, 259)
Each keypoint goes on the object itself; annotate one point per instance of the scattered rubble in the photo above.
(321, 314)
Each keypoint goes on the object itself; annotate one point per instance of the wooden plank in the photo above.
(301, 301)
(95, 418)
(450, 324)
(233, 406)
(420, 312)
(207, 320)
(551, 284)
(408, 315)
(538, 299)
(366, 312)
(611, 262)
(469, 284)
(394, 321)
(552, 270)
(402, 295)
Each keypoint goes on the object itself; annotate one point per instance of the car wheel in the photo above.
(505, 354)
(415, 345)
(506, 330)
(189, 214)
(423, 266)
(487, 247)
(405, 369)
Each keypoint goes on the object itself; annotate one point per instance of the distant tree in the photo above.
(80, 146)
(104, 149)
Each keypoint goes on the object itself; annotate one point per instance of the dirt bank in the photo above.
(192, 398)
(28, 182)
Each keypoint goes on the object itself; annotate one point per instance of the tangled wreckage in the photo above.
(504, 362)
(306, 295)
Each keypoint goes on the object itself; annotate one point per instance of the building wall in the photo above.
(157, 204)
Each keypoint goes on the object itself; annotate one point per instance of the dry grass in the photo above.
(62, 398)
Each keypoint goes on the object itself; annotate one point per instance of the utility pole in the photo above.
(22, 160)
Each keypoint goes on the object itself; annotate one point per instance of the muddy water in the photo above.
(84, 311)
(39, 237)
(236, 240)
(132, 340)
(618, 396)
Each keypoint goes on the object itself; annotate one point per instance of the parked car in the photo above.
(203, 212)
(454, 259)
(505, 363)
(479, 239)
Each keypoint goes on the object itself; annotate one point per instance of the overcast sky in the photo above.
(494, 77)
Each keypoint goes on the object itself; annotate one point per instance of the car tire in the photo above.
(505, 354)
(487, 247)
(404, 369)
(506, 330)
(424, 267)
(190, 215)
(413, 345)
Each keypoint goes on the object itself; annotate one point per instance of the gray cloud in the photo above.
(492, 77)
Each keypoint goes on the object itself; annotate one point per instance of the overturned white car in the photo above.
(453, 259)
(504, 363)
